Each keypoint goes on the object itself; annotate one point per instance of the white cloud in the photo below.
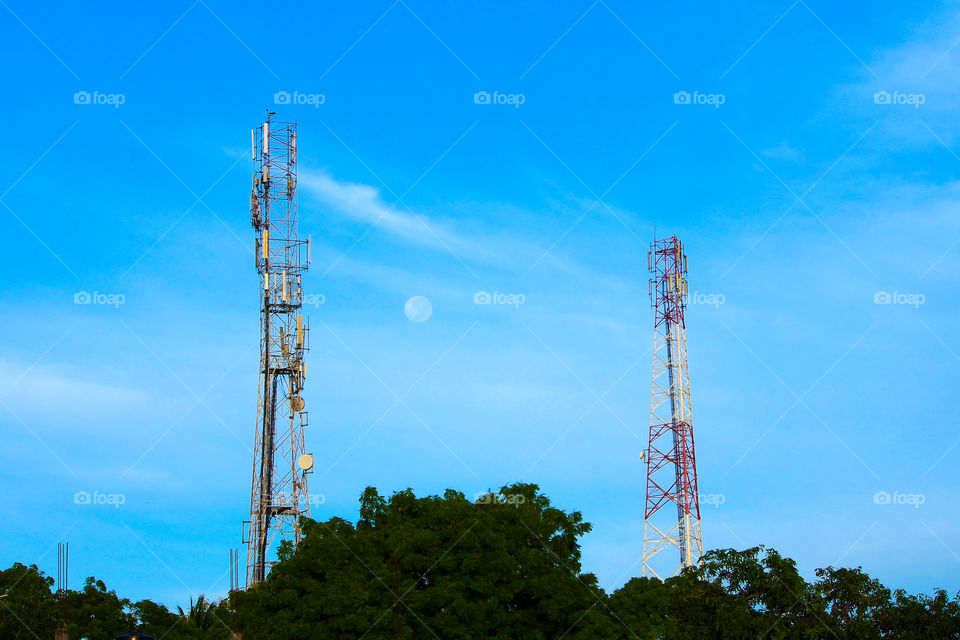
(365, 204)
(480, 240)
(922, 69)
(53, 390)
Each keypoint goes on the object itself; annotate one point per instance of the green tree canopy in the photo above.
(28, 605)
(505, 566)
(96, 613)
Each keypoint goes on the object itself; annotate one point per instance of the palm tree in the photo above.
(200, 612)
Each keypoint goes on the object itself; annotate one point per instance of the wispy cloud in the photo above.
(366, 204)
(475, 233)
(51, 387)
(919, 74)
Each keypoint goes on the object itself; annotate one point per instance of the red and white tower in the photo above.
(672, 512)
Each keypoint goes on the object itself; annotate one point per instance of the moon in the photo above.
(418, 309)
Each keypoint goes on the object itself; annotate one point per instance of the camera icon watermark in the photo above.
(897, 498)
(488, 497)
(298, 98)
(485, 97)
(712, 99)
(911, 99)
(511, 299)
(113, 99)
(97, 499)
(912, 299)
(110, 299)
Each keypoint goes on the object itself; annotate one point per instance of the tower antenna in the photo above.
(672, 511)
(63, 585)
(278, 496)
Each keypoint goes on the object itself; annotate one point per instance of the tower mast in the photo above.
(672, 511)
(278, 496)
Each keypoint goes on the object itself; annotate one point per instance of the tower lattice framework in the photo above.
(279, 488)
(672, 511)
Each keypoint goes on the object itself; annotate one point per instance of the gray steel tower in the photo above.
(278, 497)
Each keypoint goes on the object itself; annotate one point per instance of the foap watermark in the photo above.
(713, 99)
(487, 497)
(513, 299)
(713, 299)
(912, 299)
(314, 299)
(311, 99)
(113, 99)
(316, 499)
(112, 299)
(912, 99)
(485, 97)
(97, 498)
(712, 499)
(912, 499)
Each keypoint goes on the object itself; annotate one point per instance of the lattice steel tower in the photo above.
(672, 513)
(280, 465)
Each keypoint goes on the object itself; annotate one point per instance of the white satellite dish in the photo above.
(305, 462)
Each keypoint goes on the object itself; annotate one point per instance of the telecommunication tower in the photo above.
(63, 572)
(279, 496)
(672, 511)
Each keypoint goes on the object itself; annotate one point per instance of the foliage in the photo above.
(855, 602)
(504, 566)
(95, 613)
(935, 617)
(28, 605)
(29, 609)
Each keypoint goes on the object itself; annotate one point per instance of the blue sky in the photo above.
(801, 199)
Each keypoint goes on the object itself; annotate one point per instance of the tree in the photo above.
(155, 619)
(853, 601)
(27, 609)
(199, 614)
(640, 607)
(934, 617)
(96, 613)
(202, 620)
(731, 594)
(504, 567)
